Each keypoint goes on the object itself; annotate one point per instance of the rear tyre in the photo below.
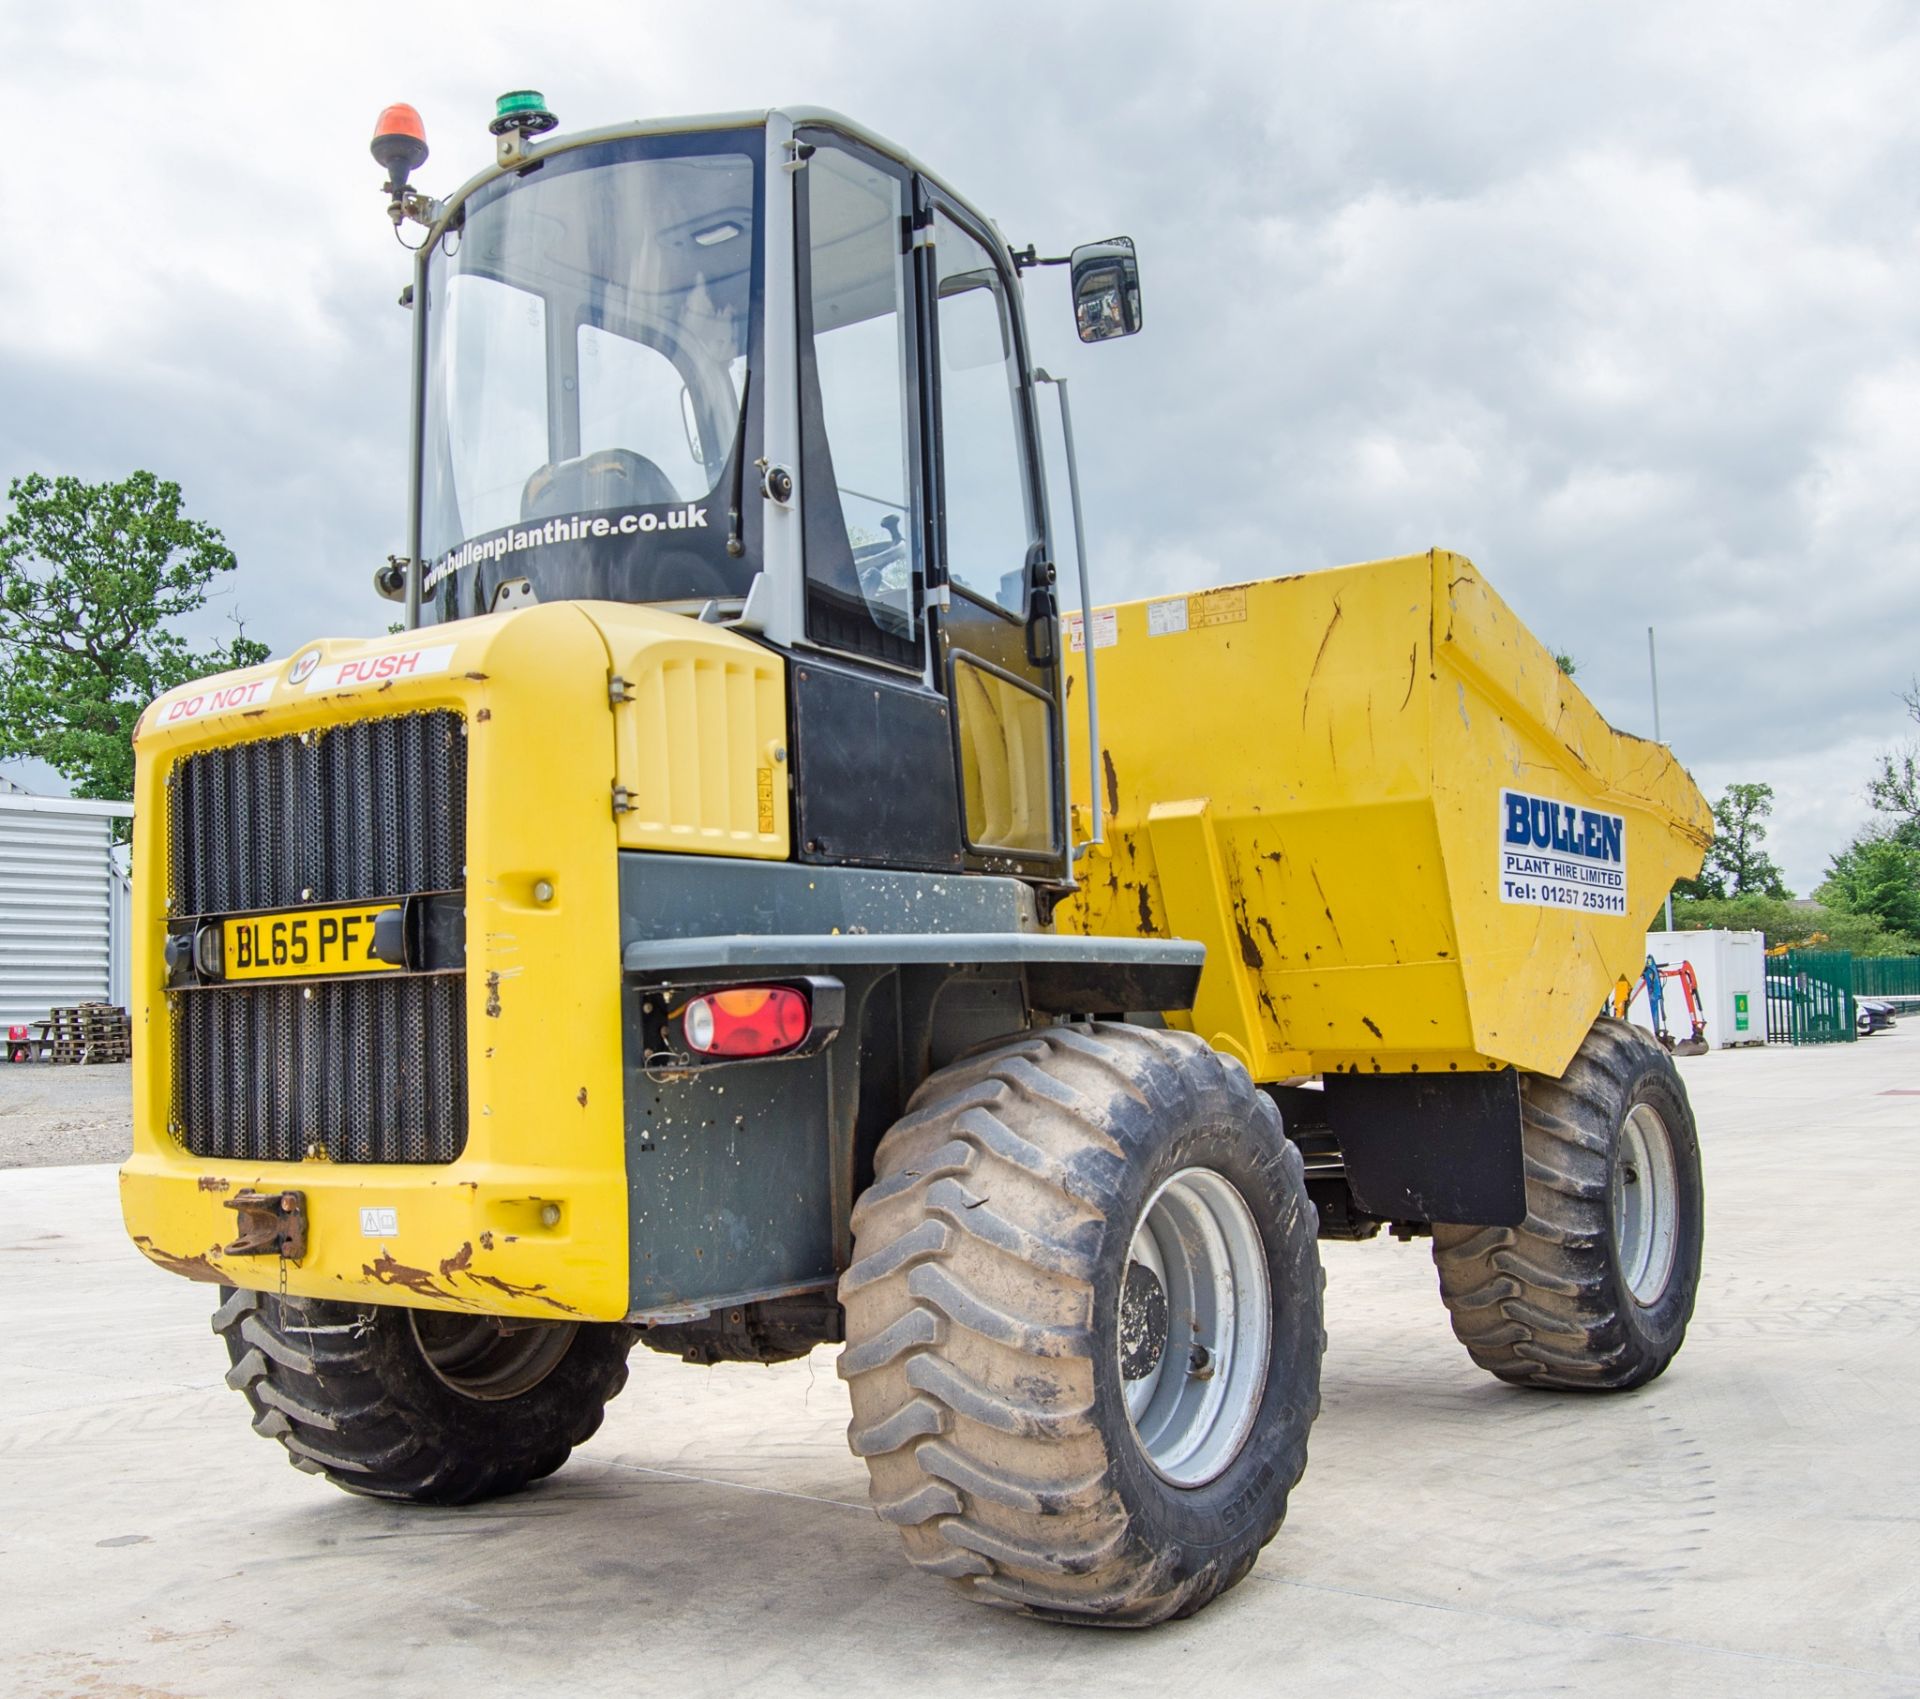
(1593, 1291)
(1084, 1324)
(419, 1405)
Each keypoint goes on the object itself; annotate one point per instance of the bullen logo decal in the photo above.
(1558, 855)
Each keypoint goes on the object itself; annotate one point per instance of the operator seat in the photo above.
(608, 477)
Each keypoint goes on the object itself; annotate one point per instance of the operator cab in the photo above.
(766, 371)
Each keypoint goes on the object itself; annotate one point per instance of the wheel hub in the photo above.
(1143, 1323)
(1644, 1204)
(1195, 1320)
(489, 1358)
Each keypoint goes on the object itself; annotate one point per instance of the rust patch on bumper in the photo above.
(193, 1268)
(389, 1271)
(537, 1293)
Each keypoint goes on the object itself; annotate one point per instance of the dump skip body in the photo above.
(1408, 840)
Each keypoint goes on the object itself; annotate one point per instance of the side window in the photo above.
(496, 396)
(857, 483)
(633, 398)
(989, 525)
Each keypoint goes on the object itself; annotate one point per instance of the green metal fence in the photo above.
(1810, 997)
(1886, 976)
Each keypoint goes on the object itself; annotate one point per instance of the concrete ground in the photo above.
(1744, 1526)
(52, 1115)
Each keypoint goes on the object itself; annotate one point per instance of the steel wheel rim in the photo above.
(1192, 1401)
(480, 1358)
(1645, 1204)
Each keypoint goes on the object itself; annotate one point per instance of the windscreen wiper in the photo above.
(735, 546)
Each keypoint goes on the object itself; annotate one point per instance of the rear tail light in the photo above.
(758, 1020)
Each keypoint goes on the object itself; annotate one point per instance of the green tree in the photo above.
(1878, 874)
(1895, 788)
(92, 577)
(1787, 922)
(1736, 865)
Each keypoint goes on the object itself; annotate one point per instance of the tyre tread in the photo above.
(316, 1386)
(970, 1318)
(1535, 1304)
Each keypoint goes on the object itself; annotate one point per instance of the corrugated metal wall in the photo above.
(119, 934)
(59, 891)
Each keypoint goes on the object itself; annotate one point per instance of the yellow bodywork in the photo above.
(1305, 774)
(591, 727)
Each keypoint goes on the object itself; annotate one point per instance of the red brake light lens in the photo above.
(760, 1020)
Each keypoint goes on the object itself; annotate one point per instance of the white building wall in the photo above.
(120, 938)
(59, 888)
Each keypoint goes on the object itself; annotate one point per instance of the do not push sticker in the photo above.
(379, 669)
(213, 699)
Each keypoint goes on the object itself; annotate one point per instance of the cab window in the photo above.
(857, 486)
(988, 513)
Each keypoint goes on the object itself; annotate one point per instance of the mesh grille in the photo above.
(371, 1070)
(372, 808)
(368, 1069)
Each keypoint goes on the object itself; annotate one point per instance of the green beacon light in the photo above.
(524, 110)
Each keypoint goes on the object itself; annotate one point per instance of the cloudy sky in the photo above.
(1622, 301)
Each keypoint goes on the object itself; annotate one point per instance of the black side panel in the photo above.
(1432, 1147)
(873, 771)
(729, 1178)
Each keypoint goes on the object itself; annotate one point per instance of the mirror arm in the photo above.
(1028, 256)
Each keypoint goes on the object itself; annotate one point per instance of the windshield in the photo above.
(590, 330)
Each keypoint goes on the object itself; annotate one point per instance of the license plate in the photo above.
(310, 941)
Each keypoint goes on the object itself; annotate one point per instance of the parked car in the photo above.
(1871, 1015)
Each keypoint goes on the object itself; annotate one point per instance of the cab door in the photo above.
(990, 576)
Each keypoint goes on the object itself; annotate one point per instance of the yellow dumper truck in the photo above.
(739, 912)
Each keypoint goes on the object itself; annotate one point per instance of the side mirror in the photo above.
(1106, 289)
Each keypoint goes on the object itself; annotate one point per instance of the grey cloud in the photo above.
(1622, 302)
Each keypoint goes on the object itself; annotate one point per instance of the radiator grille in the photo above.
(367, 1069)
(370, 1070)
(372, 808)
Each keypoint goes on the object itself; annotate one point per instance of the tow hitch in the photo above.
(272, 1224)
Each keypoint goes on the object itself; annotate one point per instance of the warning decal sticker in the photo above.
(1217, 607)
(1106, 630)
(1165, 618)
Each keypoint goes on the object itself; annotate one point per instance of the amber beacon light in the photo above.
(400, 149)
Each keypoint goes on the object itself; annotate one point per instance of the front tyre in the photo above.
(1593, 1291)
(421, 1405)
(1084, 1324)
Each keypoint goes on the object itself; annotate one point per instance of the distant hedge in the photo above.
(1793, 923)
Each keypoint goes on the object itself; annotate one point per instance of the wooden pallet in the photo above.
(86, 1032)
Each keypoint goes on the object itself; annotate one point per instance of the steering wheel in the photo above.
(877, 564)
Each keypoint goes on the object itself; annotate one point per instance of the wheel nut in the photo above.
(549, 1215)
